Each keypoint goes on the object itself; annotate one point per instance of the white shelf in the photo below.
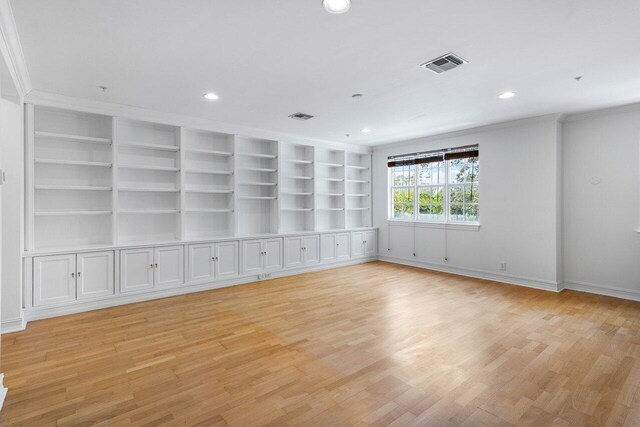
(265, 184)
(74, 138)
(293, 193)
(332, 194)
(359, 181)
(260, 170)
(257, 197)
(298, 177)
(258, 155)
(208, 210)
(358, 209)
(297, 209)
(211, 152)
(203, 191)
(332, 179)
(298, 161)
(331, 165)
(208, 172)
(330, 209)
(72, 187)
(150, 168)
(67, 213)
(358, 167)
(148, 190)
(72, 163)
(149, 146)
(358, 195)
(148, 211)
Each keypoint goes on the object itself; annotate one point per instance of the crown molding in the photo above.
(54, 100)
(12, 49)
(625, 108)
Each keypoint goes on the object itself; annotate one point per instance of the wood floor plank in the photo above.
(373, 344)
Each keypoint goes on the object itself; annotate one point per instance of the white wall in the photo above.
(601, 221)
(519, 207)
(12, 163)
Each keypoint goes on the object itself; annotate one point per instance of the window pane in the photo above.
(403, 203)
(456, 174)
(456, 213)
(471, 212)
(471, 194)
(456, 195)
(475, 171)
(431, 173)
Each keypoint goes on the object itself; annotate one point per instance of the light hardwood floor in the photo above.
(371, 344)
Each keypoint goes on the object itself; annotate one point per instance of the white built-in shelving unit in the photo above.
(358, 190)
(99, 181)
(296, 191)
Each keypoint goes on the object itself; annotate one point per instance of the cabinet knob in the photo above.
(150, 265)
(79, 273)
(73, 274)
(155, 265)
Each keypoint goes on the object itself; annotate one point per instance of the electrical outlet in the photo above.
(503, 266)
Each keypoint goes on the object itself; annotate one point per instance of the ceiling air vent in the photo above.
(444, 63)
(301, 116)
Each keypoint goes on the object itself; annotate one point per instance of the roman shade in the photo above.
(433, 156)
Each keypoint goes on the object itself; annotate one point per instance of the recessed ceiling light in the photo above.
(336, 6)
(507, 95)
(210, 96)
(365, 130)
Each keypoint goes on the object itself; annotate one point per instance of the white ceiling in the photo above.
(267, 59)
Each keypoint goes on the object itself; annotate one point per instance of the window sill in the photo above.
(440, 225)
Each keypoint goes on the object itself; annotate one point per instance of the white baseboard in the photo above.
(37, 313)
(528, 282)
(592, 288)
(13, 325)
(3, 391)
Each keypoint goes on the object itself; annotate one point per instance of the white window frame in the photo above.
(447, 216)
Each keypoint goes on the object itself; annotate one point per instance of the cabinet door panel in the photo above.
(370, 244)
(227, 260)
(311, 249)
(136, 270)
(95, 275)
(252, 256)
(54, 279)
(343, 250)
(293, 252)
(357, 244)
(328, 247)
(201, 264)
(273, 258)
(169, 266)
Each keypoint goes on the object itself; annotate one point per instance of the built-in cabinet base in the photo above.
(58, 284)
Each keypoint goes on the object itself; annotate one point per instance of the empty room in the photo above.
(320, 213)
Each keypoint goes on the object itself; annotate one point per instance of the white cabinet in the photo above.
(261, 256)
(335, 247)
(301, 250)
(226, 260)
(363, 243)
(95, 274)
(136, 270)
(66, 278)
(212, 261)
(343, 250)
(148, 268)
(54, 279)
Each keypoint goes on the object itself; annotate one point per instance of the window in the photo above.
(439, 186)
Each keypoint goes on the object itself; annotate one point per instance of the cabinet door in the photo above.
(54, 279)
(293, 252)
(201, 263)
(252, 258)
(273, 254)
(226, 260)
(370, 244)
(95, 275)
(169, 266)
(311, 251)
(343, 250)
(136, 270)
(357, 244)
(328, 247)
